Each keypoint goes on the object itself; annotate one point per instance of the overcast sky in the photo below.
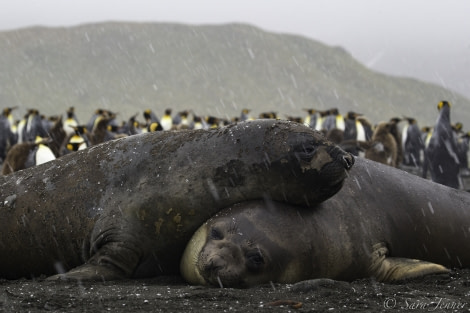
(405, 37)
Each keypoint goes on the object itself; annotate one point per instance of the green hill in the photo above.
(217, 70)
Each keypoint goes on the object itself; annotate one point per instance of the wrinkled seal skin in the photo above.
(383, 223)
(127, 208)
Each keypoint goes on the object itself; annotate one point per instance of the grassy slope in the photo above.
(214, 70)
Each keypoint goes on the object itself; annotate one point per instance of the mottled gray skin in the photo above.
(127, 208)
(383, 223)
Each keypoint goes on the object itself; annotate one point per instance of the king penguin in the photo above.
(198, 123)
(353, 128)
(397, 136)
(245, 115)
(27, 154)
(180, 120)
(212, 121)
(463, 146)
(441, 154)
(70, 122)
(268, 115)
(152, 121)
(8, 134)
(43, 153)
(76, 141)
(333, 120)
(167, 121)
(311, 118)
(412, 143)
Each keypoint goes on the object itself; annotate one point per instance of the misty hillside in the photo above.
(217, 70)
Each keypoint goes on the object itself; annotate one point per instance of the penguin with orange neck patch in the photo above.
(77, 141)
(441, 154)
(167, 121)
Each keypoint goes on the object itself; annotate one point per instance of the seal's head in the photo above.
(309, 160)
(280, 160)
(242, 246)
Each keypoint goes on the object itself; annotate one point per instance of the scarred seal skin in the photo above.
(127, 208)
(384, 223)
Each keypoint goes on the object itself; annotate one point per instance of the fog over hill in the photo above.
(212, 70)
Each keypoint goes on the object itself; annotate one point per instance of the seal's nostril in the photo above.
(348, 161)
(214, 265)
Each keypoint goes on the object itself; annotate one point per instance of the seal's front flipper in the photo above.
(112, 261)
(386, 269)
(90, 272)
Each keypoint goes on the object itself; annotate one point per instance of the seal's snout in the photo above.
(348, 161)
(341, 158)
(214, 265)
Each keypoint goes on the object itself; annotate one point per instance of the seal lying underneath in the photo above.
(128, 207)
(384, 223)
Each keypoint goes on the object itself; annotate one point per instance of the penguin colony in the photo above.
(438, 152)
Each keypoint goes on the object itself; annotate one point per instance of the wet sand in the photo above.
(436, 293)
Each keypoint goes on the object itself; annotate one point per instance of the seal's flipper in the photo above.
(111, 261)
(387, 269)
(89, 272)
(393, 269)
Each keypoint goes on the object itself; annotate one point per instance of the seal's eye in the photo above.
(308, 149)
(254, 260)
(215, 234)
(304, 145)
(305, 151)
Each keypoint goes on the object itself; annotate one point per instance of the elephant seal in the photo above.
(128, 207)
(383, 223)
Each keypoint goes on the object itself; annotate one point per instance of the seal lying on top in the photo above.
(128, 207)
(383, 223)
